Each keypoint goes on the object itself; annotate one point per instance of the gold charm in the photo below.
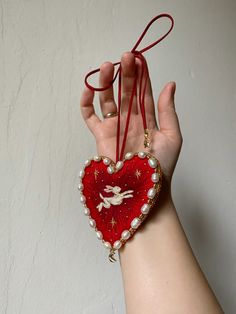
(146, 138)
(111, 255)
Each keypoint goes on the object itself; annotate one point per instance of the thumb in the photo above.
(167, 117)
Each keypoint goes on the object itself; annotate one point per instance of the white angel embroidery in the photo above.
(116, 199)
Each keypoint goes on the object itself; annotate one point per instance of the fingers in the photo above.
(87, 109)
(168, 119)
(106, 97)
(128, 67)
(149, 102)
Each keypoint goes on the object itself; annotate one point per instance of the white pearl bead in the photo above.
(110, 169)
(117, 245)
(142, 155)
(135, 223)
(99, 235)
(81, 174)
(92, 223)
(129, 155)
(125, 235)
(82, 199)
(86, 211)
(106, 161)
(97, 158)
(107, 245)
(155, 177)
(152, 162)
(151, 193)
(145, 208)
(81, 186)
(87, 162)
(119, 165)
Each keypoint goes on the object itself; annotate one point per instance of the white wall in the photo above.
(50, 259)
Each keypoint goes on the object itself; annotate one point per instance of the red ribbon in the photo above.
(141, 86)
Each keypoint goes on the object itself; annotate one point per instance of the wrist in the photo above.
(159, 217)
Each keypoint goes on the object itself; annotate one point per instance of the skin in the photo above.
(159, 270)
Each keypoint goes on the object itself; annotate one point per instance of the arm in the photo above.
(160, 272)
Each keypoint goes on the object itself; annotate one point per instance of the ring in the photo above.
(110, 115)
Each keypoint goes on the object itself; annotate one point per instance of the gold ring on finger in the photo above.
(110, 115)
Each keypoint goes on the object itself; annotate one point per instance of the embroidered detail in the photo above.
(138, 174)
(113, 222)
(116, 199)
(96, 173)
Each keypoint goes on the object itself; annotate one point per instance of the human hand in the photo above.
(166, 140)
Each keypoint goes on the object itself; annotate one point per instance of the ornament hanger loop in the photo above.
(134, 51)
(164, 15)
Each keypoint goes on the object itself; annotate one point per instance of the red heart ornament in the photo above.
(117, 197)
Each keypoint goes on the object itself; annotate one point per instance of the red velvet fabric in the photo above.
(136, 176)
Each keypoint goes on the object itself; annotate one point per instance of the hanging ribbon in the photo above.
(141, 85)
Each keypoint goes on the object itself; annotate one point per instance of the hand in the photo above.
(165, 142)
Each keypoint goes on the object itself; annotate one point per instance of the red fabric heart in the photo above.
(113, 200)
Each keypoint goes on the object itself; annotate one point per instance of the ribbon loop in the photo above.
(164, 15)
(100, 89)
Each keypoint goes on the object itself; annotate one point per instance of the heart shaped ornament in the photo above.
(117, 197)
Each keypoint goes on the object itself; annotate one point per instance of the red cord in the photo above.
(141, 87)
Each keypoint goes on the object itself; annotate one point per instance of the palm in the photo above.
(106, 136)
(165, 143)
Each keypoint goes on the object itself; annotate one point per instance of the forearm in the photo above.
(160, 272)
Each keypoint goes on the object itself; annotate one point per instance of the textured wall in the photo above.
(50, 259)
